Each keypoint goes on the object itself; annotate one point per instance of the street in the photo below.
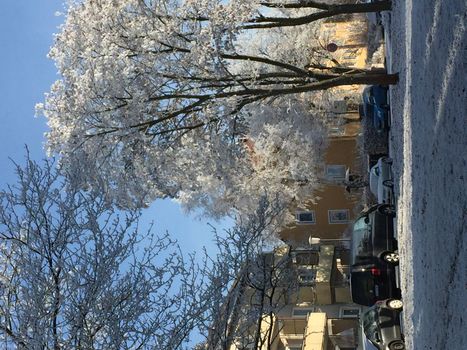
(428, 47)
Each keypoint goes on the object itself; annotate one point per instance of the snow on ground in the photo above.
(429, 147)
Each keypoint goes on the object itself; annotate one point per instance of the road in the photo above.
(428, 47)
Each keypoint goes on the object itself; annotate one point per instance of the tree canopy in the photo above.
(76, 274)
(157, 97)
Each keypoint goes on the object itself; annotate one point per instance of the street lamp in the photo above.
(316, 240)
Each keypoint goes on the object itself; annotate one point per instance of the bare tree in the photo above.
(254, 278)
(75, 274)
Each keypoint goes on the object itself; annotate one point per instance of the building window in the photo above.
(308, 257)
(295, 347)
(294, 344)
(349, 312)
(336, 131)
(335, 172)
(306, 276)
(338, 216)
(305, 217)
(302, 312)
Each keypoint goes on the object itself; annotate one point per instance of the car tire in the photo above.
(388, 210)
(397, 345)
(388, 183)
(395, 304)
(391, 258)
(387, 160)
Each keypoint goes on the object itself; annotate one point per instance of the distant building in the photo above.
(318, 314)
(307, 315)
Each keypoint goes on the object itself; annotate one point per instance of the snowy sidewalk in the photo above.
(429, 147)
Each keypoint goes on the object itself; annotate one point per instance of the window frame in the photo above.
(297, 216)
(308, 309)
(343, 309)
(338, 168)
(306, 275)
(338, 222)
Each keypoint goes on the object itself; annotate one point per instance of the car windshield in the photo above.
(361, 238)
(370, 324)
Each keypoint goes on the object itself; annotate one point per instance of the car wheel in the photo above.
(388, 183)
(395, 304)
(391, 257)
(386, 160)
(397, 345)
(388, 210)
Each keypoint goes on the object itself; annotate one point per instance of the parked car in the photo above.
(375, 106)
(374, 256)
(381, 180)
(381, 327)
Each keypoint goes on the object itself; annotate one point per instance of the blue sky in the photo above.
(26, 34)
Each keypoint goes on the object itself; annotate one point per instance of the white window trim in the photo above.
(298, 212)
(340, 221)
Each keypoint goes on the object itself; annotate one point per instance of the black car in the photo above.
(381, 328)
(374, 256)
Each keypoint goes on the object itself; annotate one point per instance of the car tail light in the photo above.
(375, 271)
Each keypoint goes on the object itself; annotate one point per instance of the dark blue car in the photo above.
(375, 106)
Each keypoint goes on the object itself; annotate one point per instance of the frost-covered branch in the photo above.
(74, 273)
(166, 99)
(253, 279)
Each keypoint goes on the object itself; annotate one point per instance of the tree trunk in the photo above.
(377, 6)
(371, 78)
(366, 78)
(360, 8)
(329, 11)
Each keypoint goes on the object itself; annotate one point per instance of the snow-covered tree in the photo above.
(252, 278)
(156, 97)
(76, 275)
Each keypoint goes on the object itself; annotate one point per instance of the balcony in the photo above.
(315, 337)
(323, 275)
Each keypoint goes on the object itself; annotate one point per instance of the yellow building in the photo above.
(335, 207)
(328, 320)
(319, 314)
(309, 316)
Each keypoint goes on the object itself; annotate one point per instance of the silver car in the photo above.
(382, 181)
(381, 327)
